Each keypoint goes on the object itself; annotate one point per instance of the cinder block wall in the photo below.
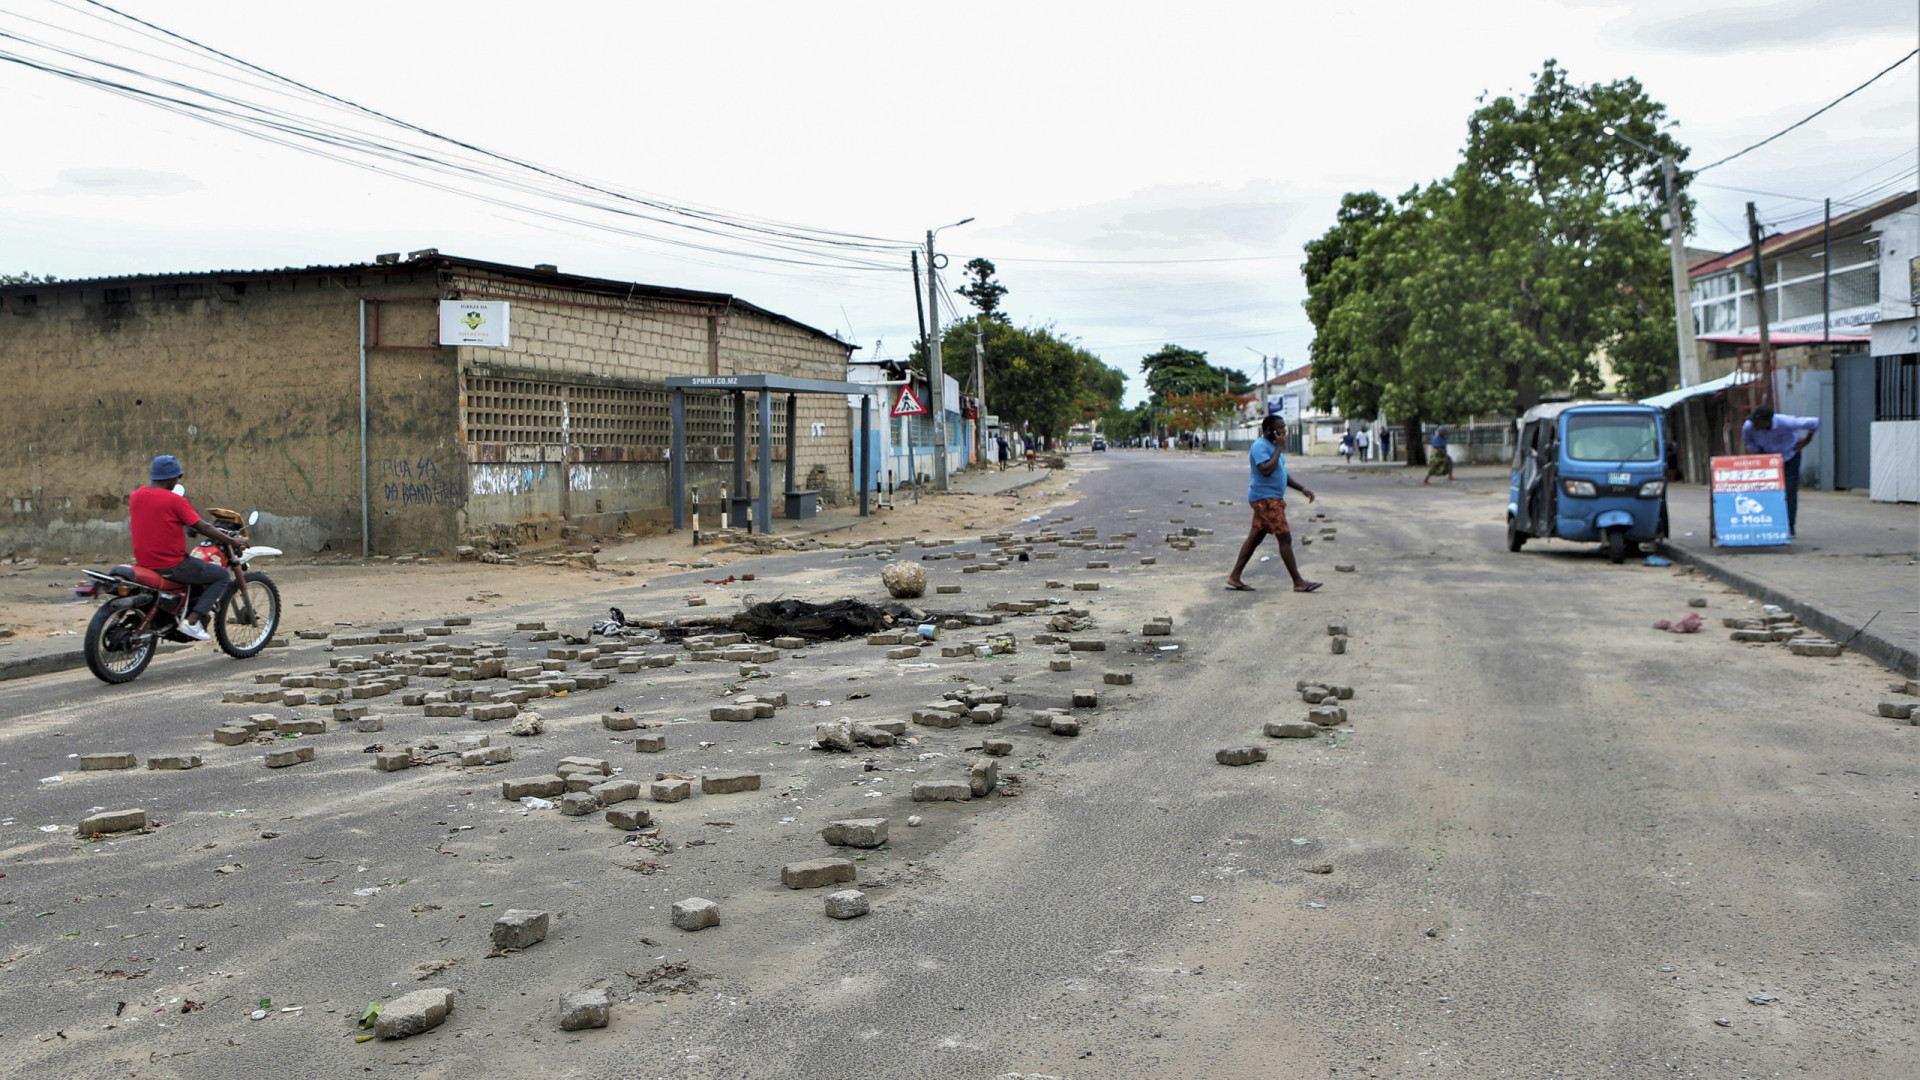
(252, 383)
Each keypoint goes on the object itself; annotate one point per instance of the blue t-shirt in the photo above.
(1262, 486)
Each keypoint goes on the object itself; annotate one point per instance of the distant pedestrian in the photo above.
(1267, 494)
(1439, 463)
(1361, 441)
(1346, 447)
(1030, 456)
(1769, 432)
(1005, 452)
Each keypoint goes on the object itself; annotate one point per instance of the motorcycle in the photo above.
(142, 608)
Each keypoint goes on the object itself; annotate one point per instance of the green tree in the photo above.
(27, 279)
(1037, 381)
(1174, 370)
(1507, 281)
(982, 291)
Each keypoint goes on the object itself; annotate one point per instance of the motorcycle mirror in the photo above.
(253, 518)
(180, 489)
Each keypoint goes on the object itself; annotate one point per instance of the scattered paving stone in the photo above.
(370, 724)
(615, 791)
(1343, 568)
(1697, 601)
(856, 832)
(98, 762)
(486, 755)
(1061, 664)
(298, 726)
(984, 777)
(727, 783)
(997, 747)
(174, 761)
(113, 821)
(1336, 629)
(1804, 646)
(650, 744)
(987, 713)
(527, 725)
(1341, 692)
(630, 820)
(519, 928)
(1086, 586)
(504, 711)
(670, 790)
(585, 1009)
(284, 758)
(1087, 645)
(904, 652)
(349, 712)
(942, 791)
(232, 736)
(847, 904)
(913, 821)
(946, 588)
(1240, 755)
(539, 787)
(696, 913)
(579, 803)
(834, 735)
(393, 762)
(732, 712)
(815, 873)
(1314, 695)
(1086, 699)
(1291, 729)
(1327, 715)
(1339, 645)
(872, 735)
(411, 1014)
(1118, 678)
(1897, 710)
(1064, 725)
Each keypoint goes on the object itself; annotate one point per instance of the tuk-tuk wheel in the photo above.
(1617, 544)
(1515, 538)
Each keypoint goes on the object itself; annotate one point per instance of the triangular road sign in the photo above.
(907, 404)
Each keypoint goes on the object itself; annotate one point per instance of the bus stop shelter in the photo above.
(764, 386)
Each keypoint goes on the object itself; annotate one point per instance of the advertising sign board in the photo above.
(474, 322)
(1749, 501)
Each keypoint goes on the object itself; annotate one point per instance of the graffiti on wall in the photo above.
(516, 479)
(416, 481)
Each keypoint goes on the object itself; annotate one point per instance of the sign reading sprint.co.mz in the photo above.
(1749, 501)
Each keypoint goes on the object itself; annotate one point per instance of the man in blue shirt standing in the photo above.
(1267, 492)
(1768, 432)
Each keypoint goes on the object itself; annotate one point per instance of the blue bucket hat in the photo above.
(166, 467)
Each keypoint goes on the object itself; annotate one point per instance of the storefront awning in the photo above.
(1713, 386)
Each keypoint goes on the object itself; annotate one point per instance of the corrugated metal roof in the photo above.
(451, 263)
(1853, 221)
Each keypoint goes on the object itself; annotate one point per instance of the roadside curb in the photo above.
(1862, 640)
(53, 663)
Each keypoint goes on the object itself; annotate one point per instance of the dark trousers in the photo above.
(1791, 470)
(208, 580)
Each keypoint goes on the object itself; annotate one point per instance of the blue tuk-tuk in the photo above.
(1589, 471)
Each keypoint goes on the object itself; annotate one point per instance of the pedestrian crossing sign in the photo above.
(907, 404)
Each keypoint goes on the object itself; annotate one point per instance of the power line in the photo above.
(1810, 116)
(1144, 262)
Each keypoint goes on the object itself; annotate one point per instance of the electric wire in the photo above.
(1809, 116)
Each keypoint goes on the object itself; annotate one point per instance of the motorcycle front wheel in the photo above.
(245, 625)
(115, 650)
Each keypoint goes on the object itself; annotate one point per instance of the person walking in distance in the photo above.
(1346, 447)
(1769, 432)
(1267, 493)
(1441, 464)
(1361, 441)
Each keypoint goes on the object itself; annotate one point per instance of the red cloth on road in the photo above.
(158, 520)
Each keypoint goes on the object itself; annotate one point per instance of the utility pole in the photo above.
(1760, 293)
(936, 376)
(979, 390)
(1826, 276)
(1682, 285)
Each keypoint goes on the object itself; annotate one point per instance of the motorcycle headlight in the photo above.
(1652, 489)
(1579, 489)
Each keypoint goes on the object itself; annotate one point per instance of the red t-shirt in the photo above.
(158, 520)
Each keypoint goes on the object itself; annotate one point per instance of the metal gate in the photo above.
(1853, 416)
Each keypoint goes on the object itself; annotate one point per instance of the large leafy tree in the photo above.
(1037, 381)
(1510, 279)
(1175, 370)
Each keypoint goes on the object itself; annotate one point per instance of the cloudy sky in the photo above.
(1142, 173)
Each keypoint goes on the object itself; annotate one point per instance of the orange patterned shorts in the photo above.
(1270, 517)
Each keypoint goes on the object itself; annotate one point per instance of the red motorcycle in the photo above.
(142, 608)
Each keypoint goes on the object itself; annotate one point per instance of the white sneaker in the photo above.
(192, 631)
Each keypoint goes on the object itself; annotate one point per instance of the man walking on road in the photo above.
(1267, 492)
(1768, 432)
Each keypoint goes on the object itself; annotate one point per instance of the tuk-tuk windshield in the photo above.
(1601, 436)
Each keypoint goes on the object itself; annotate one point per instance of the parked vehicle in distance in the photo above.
(1589, 471)
(1099, 444)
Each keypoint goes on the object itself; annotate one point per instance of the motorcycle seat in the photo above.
(140, 575)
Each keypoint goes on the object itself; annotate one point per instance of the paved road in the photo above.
(1563, 844)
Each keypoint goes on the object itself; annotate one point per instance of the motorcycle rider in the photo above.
(155, 516)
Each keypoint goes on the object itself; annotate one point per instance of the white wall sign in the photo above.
(475, 322)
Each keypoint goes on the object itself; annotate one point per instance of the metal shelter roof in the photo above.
(779, 384)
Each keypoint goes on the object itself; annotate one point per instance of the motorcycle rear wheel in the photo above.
(115, 653)
(245, 626)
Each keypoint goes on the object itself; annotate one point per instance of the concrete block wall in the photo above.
(255, 388)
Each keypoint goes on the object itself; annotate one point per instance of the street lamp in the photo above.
(1682, 288)
(936, 376)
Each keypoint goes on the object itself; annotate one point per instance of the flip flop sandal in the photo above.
(1310, 587)
(1241, 588)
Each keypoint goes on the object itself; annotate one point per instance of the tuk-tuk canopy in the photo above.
(1551, 410)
